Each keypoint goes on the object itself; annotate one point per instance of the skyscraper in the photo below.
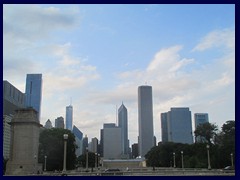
(123, 124)
(69, 117)
(112, 141)
(78, 139)
(48, 124)
(180, 125)
(12, 99)
(200, 118)
(145, 119)
(164, 127)
(33, 92)
(59, 122)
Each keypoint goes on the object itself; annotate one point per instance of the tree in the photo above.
(51, 144)
(206, 132)
(227, 142)
(81, 160)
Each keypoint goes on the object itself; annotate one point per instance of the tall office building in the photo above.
(69, 117)
(84, 144)
(48, 124)
(123, 124)
(33, 92)
(59, 122)
(145, 119)
(78, 139)
(13, 99)
(164, 127)
(112, 143)
(200, 118)
(179, 124)
(94, 145)
(134, 150)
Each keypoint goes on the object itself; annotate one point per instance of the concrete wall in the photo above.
(24, 145)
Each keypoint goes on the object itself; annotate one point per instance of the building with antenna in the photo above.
(69, 117)
(145, 119)
(123, 124)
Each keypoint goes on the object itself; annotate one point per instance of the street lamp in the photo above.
(209, 166)
(174, 163)
(65, 137)
(231, 159)
(96, 160)
(45, 163)
(98, 156)
(35, 163)
(182, 159)
(86, 158)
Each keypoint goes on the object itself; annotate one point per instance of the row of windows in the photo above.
(16, 95)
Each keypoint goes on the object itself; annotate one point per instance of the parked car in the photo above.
(112, 172)
(228, 168)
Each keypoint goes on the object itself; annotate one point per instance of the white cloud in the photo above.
(215, 39)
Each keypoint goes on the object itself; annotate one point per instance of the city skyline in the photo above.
(98, 56)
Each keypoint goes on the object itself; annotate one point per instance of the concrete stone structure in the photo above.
(6, 136)
(123, 163)
(24, 144)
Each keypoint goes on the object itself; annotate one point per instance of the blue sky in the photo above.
(99, 54)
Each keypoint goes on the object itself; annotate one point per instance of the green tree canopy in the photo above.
(206, 132)
(51, 144)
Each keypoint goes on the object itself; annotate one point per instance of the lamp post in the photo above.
(86, 158)
(174, 163)
(98, 156)
(35, 163)
(209, 165)
(65, 137)
(96, 160)
(231, 159)
(182, 159)
(45, 163)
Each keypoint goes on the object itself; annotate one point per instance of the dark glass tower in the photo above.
(33, 92)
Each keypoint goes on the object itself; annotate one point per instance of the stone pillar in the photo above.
(25, 140)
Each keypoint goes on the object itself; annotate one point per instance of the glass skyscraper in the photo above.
(123, 124)
(145, 119)
(179, 125)
(200, 118)
(33, 92)
(69, 117)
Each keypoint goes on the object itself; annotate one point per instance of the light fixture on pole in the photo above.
(182, 159)
(86, 158)
(96, 160)
(98, 156)
(209, 165)
(65, 137)
(45, 163)
(231, 159)
(35, 163)
(174, 163)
